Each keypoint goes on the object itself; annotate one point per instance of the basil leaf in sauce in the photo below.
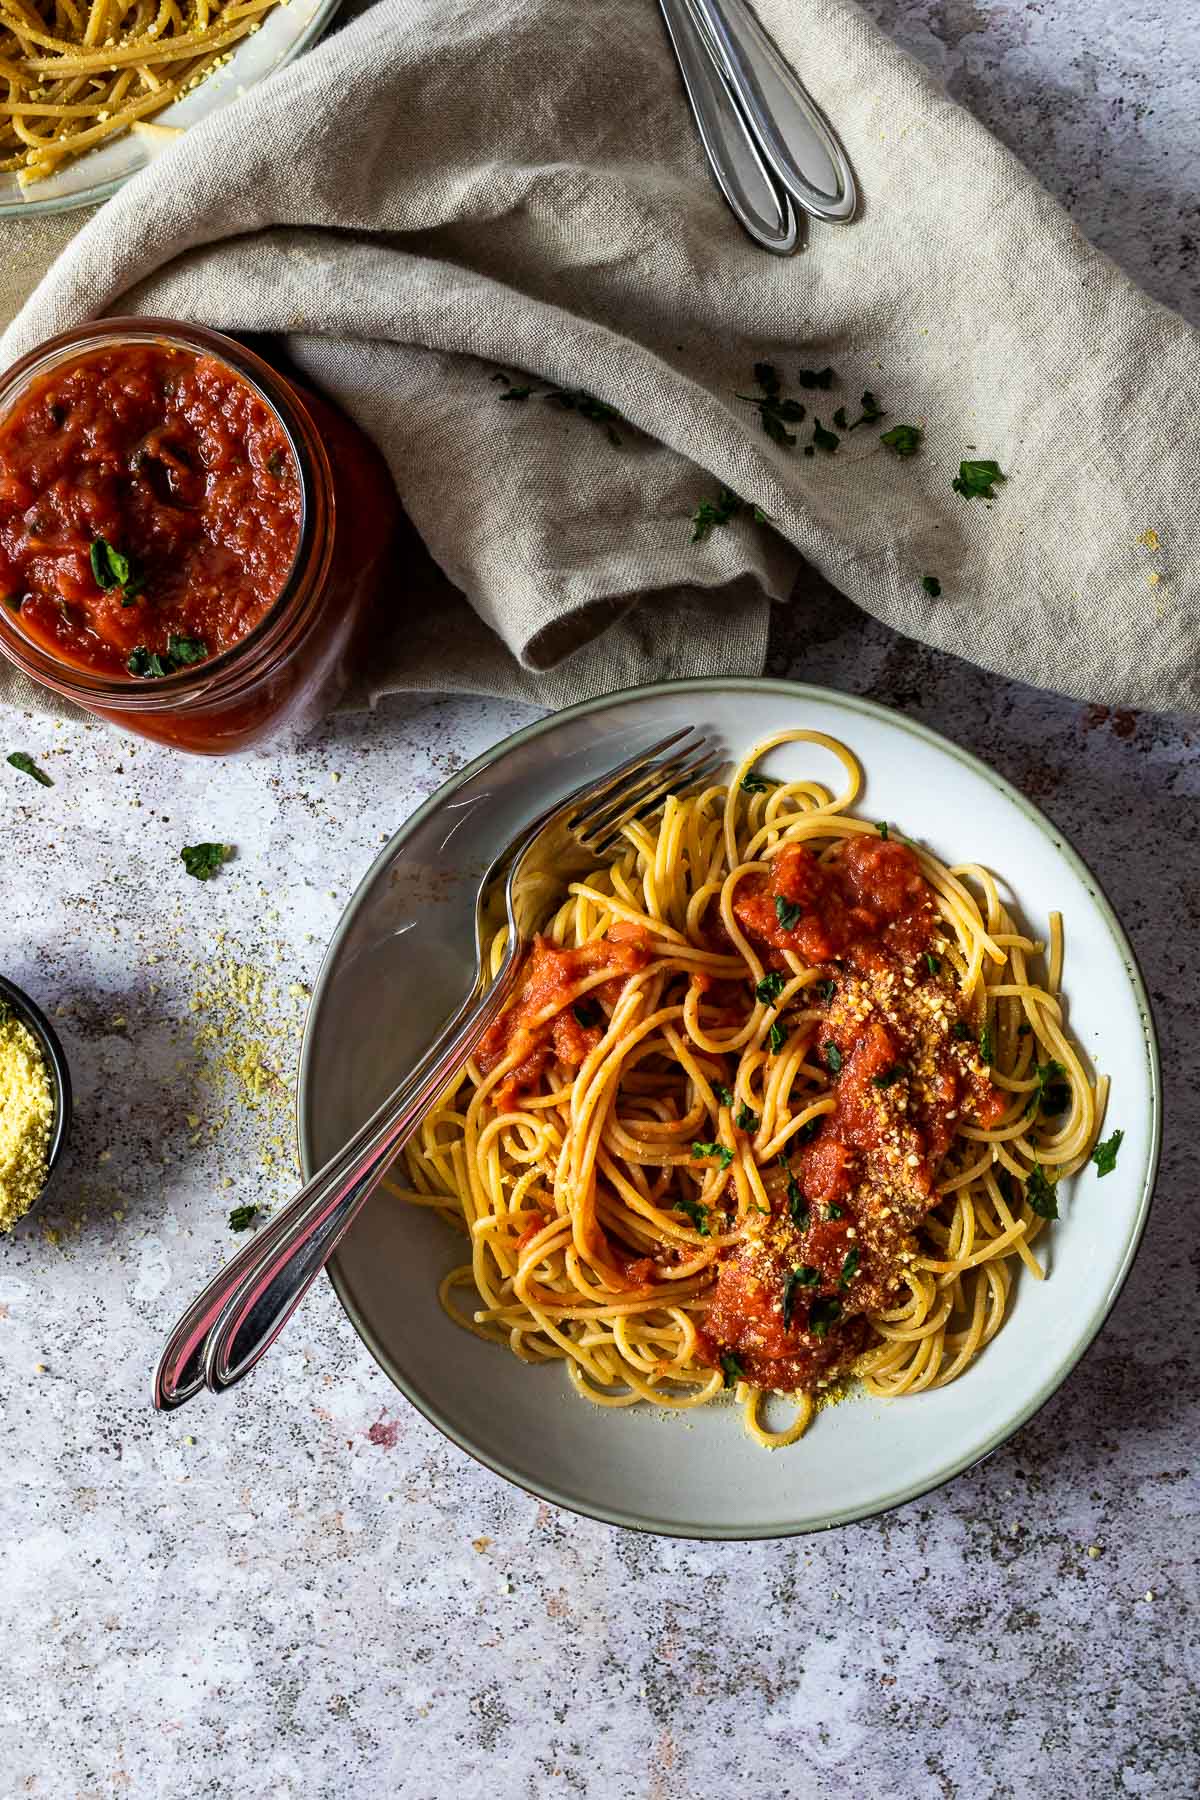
(822, 1314)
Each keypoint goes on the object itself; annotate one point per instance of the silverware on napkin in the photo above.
(767, 141)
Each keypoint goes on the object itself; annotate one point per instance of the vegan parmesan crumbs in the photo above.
(26, 1118)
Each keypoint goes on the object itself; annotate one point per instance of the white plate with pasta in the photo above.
(812, 1153)
(96, 88)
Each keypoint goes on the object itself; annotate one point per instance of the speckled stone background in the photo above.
(303, 1590)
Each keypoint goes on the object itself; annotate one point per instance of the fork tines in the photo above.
(644, 785)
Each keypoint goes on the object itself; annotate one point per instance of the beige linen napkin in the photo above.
(449, 186)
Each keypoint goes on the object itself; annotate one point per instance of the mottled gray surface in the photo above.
(304, 1591)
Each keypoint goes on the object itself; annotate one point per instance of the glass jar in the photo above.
(292, 664)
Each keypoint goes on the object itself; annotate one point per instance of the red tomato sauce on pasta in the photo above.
(791, 1304)
(549, 983)
(150, 507)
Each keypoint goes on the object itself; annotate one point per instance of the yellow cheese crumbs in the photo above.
(26, 1116)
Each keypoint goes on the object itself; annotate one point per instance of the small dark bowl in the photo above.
(36, 1022)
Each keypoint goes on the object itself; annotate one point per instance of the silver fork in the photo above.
(238, 1316)
(768, 143)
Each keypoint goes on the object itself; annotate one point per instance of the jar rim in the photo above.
(221, 675)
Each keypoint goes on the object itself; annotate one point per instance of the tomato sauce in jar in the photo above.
(150, 509)
(191, 544)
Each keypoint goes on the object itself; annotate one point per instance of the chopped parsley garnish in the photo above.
(777, 1036)
(825, 989)
(849, 1268)
(146, 663)
(827, 441)
(833, 1057)
(769, 988)
(724, 1095)
(721, 1151)
(111, 568)
(1024, 1028)
(726, 506)
(775, 412)
(732, 1370)
(1052, 1094)
(797, 1205)
(745, 1119)
(932, 963)
(804, 1276)
(787, 912)
(932, 586)
(711, 513)
(203, 860)
(816, 378)
(1040, 1194)
(754, 784)
(822, 1314)
(698, 1215)
(889, 1077)
(974, 479)
(986, 1053)
(1105, 1155)
(21, 759)
(961, 1030)
(516, 393)
(588, 407)
(903, 440)
(871, 411)
(587, 1013)
(275, 463)
(809, 1129)
(242, 1217)
(834, 1211)
(882, 828)
(15, 600)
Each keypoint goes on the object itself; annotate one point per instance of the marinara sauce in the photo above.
(189, 542)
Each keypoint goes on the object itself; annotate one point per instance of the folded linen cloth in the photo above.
(449, 187)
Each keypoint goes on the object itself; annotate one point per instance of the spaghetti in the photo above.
(780, 1101)
(76, 72)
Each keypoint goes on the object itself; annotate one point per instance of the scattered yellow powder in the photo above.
(1150, 539)
(26, 1116)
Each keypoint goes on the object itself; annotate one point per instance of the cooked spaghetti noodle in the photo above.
(76, 72)
(780, 1100)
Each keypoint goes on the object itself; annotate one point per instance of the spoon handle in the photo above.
(239, 1314)
(792, 132)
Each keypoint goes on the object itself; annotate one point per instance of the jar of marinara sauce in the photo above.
(190, 543)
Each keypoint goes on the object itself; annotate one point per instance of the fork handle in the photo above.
(238, 1316)
(752, 195)
(792, 131)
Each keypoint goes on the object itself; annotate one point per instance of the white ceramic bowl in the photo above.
(399, 962)
(283, 34)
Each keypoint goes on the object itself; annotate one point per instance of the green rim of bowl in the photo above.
(900, 1496)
